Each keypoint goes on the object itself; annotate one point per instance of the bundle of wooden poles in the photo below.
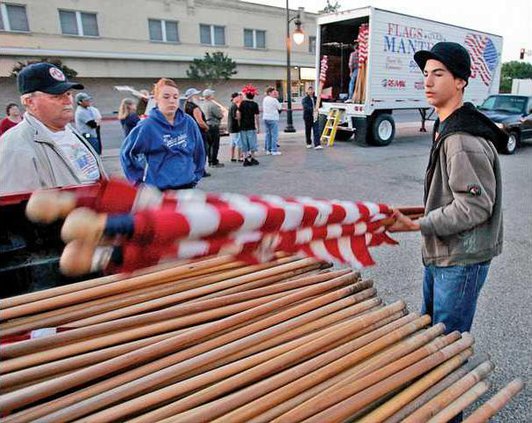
(219, 340)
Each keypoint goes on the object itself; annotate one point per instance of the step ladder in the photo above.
(331, 125)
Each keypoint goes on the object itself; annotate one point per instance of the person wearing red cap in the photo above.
(44, 150)
(462, 229)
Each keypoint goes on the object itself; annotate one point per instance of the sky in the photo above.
(511, 19)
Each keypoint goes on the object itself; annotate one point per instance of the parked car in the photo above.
(513, 114)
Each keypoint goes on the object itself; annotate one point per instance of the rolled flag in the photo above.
(141, 226)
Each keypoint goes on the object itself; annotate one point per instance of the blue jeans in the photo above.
(352, 83)
(271, 135)
(450, 294)
(248, 141)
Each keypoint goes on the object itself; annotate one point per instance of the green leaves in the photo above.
(331, 7)
(69, 72)
(212, 68)
(512, 70)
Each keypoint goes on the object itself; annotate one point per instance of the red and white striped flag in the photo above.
(323, 69)
(153, 225)
(363, 38)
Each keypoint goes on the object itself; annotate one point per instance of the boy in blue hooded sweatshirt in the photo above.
(166, 149)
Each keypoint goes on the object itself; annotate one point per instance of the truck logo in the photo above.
(484, 57)
(393, 83)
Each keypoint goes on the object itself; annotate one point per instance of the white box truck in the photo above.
(392, 79)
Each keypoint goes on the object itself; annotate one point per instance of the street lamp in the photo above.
(299, 37)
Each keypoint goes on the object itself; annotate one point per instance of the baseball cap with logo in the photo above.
(44, 77)
(454, 56)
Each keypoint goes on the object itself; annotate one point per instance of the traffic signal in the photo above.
(522, 54)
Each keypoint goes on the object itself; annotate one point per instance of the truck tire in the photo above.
(382, 130)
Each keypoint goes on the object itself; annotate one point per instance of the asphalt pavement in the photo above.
(394, 175)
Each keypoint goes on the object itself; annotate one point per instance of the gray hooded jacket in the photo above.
(463, 192)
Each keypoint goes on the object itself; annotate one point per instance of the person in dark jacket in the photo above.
(165, 149)
(462, 229)
(194, 110)
(312, 126)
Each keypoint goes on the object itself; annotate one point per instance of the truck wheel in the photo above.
(382, 130)
(511, 143)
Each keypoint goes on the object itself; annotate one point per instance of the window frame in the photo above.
(254, 35)
(79, 23)
(163, 23)
(212, 35)
(6, 23)
(312, 45)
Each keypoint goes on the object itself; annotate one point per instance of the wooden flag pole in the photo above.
(496, 403)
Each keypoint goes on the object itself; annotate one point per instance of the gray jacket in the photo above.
(213, 113)
(463, 194)
(30, 160)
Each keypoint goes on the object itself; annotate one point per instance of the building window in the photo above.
(254, 38)
(13, 18)
(82, 24)
(312, 44)
(212, 35)
(163, 31)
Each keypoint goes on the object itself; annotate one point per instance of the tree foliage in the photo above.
(331, 7)
(514, 70)
(69, 72)
(212, 68)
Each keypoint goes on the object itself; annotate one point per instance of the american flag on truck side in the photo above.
(484, 57)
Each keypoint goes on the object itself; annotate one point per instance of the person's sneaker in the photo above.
(318, 147)
(247, 162)
(206, 174)
(233, 160)
(277, 153)
(309, 145)
(268, 153)
(218, 165)
(254, 161)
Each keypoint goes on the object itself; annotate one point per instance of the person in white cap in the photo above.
(88, 120)
(214, 114)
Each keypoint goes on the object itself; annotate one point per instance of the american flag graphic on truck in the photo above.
(484, 57)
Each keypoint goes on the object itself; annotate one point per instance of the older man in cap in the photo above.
(44, 150)
(214, 115)
(462, 226)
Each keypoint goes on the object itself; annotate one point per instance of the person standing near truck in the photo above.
(353, 70)
(462, 229)
(312, 127)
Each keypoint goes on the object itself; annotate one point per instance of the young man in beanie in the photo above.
(462, 226)
(44, 150)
